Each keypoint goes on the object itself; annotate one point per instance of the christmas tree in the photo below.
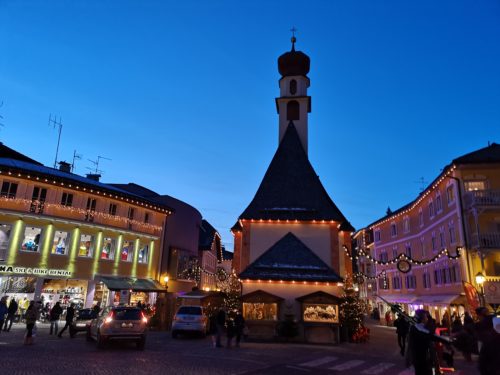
(351, 309)
(230, 286)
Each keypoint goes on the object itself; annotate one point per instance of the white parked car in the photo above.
(190, 319)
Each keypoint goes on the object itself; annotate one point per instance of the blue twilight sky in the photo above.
(180, 94)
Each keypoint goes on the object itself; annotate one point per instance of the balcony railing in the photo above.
(75, 213)
(482, 198)
(486, 240)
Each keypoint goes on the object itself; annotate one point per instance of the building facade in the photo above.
(427, 254)
(68, 238)
(288, 242)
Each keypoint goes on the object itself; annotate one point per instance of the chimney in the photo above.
(64, 167)
(94, 176)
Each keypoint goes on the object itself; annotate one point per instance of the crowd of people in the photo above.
(425, 350)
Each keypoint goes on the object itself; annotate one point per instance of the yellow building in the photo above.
(68, 238)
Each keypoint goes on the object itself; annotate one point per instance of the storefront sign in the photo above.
(34, 271)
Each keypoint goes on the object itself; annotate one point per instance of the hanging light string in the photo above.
(403, 256)
(376, 277)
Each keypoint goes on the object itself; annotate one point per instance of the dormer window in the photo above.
(293, 87)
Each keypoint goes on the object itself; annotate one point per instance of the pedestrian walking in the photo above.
(239, 325)
(402, 328)
(30, 317)
(11, 315)
(388, 318)
(212, 329)
(419, 345)
(54, 316)
(489, 360)
(220, 320)
(97, 309)
(70, 314)
(230, 332)
(3, 310)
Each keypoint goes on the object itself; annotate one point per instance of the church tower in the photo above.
(293, 103)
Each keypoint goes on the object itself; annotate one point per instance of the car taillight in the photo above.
(144, 319)
(109, 318)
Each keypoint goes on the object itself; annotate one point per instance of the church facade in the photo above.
(289, 241)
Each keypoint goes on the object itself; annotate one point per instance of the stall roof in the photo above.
(132, 283)
(399, 298)
(440, 299)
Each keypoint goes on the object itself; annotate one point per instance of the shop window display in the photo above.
(31, 239)
(5, 231)
(321, 313)
(108, 248)
(65, 292)
(260, 311)
(60, 244)
(86, 248)
(127, 251)
(143, 254)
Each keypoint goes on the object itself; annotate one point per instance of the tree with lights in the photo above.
(229, 284)
(351, 313)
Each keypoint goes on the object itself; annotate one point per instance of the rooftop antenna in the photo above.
(96, 163)
(56, 123)
(75, 157)
(422, 182)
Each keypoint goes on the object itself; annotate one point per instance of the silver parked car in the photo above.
(190, 319)
(121, 323)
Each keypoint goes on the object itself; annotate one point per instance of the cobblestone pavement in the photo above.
(163, 354)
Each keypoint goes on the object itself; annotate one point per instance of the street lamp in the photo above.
(480, 279)
(165, 279)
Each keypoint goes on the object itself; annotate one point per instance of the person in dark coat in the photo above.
(3, 310)
(70, 314)
(419, 344)
(489, 359)
(11, 315)
(220, 322)
(54, 315)
(230, 332)
(31, 316)
(239, 325)
(402, 328)
(97, 309)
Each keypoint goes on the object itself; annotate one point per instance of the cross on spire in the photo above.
(294, 39)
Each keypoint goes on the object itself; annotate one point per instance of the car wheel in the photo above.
(141, 344)
(174, 334)
(88, 335)
(100, 341)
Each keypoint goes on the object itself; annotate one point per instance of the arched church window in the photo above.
(292, 110)
(293, 87)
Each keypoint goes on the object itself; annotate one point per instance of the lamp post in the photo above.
(165, 279)
(480, 279)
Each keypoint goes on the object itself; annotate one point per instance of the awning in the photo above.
(399, 298)
(440, 299)
(132, 283)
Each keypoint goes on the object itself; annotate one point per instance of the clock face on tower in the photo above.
(404, 266)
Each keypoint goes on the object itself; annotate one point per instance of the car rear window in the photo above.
(189, 310)
(127, 314)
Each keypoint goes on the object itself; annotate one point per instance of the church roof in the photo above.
(290, 259)
(291, 190)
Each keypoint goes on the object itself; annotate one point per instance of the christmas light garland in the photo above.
(403, 256)
(26, 204)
